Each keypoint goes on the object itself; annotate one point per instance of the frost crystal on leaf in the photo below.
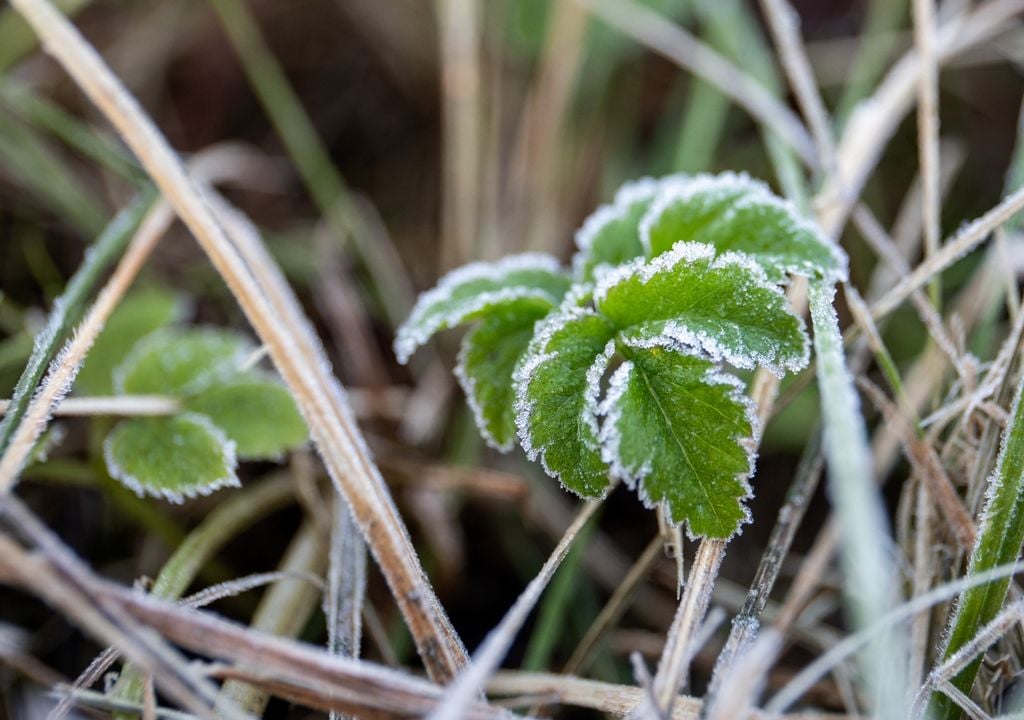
(469, 292)
(488, 357)
(554, 398)
(682, 433)
(734, 212)
(673, 278)
(174, 457)
(724, 306)
(611, 236)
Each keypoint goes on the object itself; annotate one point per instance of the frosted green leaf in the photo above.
(472, 291)
(171, 457)
(256, 413)
(489, 355)
(721, 305)
(611, 235)
(558, 385)
(733, 212)
(180, 361)
(139, 314)
(682, 434)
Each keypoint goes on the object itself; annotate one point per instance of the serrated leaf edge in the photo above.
(133, 483)
(526, 370)
(755, 191)
(414, 333)
(688, 252)
(610, 438)
(645, 188)
(197, 385)
(468, 385)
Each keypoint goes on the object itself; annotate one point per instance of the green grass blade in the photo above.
(1000, 536)
(43, 174)
(321, 177)
(98, 259)
(46, 115)
(870, 575)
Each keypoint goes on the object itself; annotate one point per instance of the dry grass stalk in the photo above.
(488, 657)
(121, 405)
(65, 366)
(928, 121)
(318, 394)
(674, 664)
(784, 24)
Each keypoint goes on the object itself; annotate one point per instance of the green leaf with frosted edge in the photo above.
(471, 292)
(722, 305)
(611, 235)
(557, 390)
(181, 361)
(733, 212)
(174, 457)
(488, 358)
(258, 414)
(139, 314)
(681, 433)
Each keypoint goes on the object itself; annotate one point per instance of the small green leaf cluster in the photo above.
(227, 413)
(618, 369)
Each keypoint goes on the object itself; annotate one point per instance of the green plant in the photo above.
(615, 371)
(225, 412)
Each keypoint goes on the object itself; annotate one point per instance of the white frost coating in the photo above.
(524, 374)
(592, 393)
(995, 484)
(142, 346)
(754, 192)
(691, 252)
(611, 437)
(468, 384)
(534, 358)
(142, 489)
(416, 331)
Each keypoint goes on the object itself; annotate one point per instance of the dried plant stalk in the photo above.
(317, 393)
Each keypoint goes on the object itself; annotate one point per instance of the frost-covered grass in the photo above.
(690, 243)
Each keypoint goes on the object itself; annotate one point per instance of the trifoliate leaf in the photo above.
(611, 235)
(489, 355)
(558, 385)
(723, 306)
(258, 414)
(682, 433)
(180, 361)
(734, 212)
(470, 292)
(139, 314)
(174, 457)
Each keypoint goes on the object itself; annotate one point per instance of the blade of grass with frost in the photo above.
(222, 525)
(1000, 536)
(870, 575)
(98, 259)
